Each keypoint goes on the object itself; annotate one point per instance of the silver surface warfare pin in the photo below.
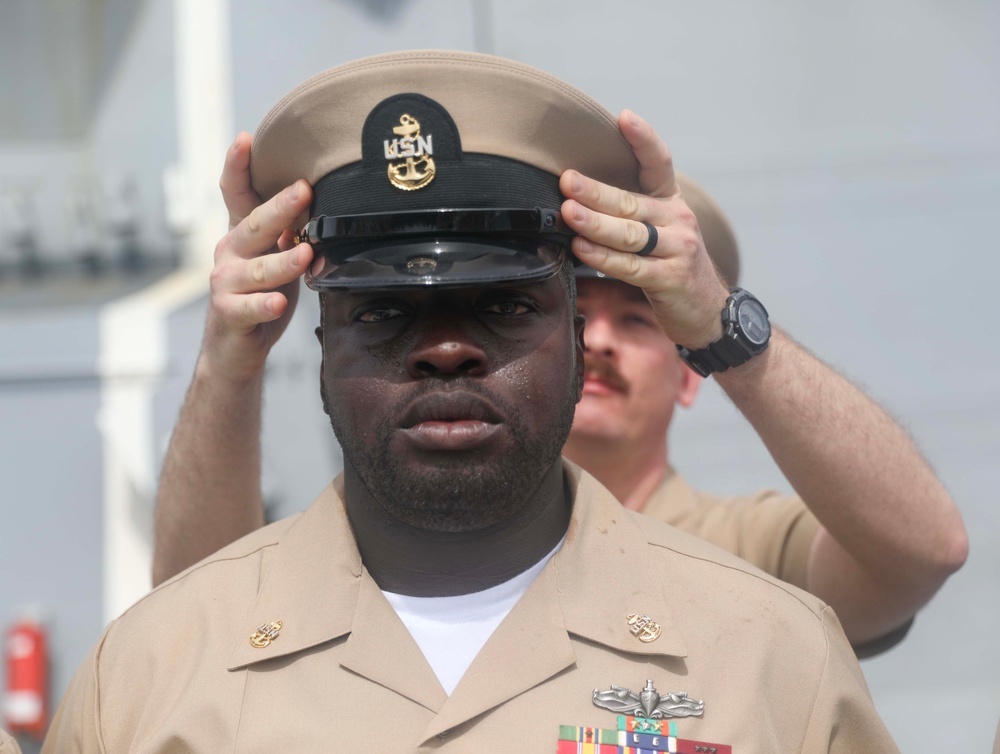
(648, 703)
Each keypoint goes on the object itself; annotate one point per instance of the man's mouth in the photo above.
(450, 421)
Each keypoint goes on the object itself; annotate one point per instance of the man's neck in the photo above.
(631, 472)
(407, 560)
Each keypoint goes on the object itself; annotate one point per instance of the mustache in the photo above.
(603, 370)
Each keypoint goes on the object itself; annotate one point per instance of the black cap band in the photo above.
(417, 211)
(480, 181)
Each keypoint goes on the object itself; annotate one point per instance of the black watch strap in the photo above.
(717, 357)
(734, 347)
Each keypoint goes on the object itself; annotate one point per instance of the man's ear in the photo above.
(581, 366)
(322, 372)
(689, 387)
(322, 392)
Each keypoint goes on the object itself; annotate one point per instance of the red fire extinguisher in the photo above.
(25, 701)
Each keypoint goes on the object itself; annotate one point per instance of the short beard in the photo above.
(453, 497)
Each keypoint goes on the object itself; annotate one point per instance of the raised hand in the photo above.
(254, 284)
(677, 274)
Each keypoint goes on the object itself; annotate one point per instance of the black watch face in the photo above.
(754, 323)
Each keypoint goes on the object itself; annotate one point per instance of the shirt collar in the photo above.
(602, 575)
(307, 582)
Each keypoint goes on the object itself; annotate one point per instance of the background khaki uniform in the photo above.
(772, 531)
(177, 671)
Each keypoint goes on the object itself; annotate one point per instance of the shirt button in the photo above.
(444, 733)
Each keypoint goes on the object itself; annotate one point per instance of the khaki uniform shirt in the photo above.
(177, 671)
(7, 744)
(773, 531)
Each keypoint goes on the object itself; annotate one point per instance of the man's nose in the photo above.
(446, 348)
(599, 335)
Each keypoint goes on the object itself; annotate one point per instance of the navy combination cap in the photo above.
(436, 168)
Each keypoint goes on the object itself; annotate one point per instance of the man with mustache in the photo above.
(859, 540)
(461, 587)
(876, 536)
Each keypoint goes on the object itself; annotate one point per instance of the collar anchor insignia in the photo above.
(264, 635)
(648, 703)
(644, 628)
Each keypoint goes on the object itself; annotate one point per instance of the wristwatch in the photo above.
(746, 332)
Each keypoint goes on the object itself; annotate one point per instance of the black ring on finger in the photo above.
(654, 238)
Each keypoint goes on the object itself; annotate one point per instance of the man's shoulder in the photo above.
(7, 744)
(244, 552)
(225, 582)
(722, 607)
(686, 550)
(197, 623)
(700, 575)
(773, 531)
(714, 595)
(704, 560)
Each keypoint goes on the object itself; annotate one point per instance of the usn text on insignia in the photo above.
(648, 702)
(643, 627)
(415, 167)
(264, 635)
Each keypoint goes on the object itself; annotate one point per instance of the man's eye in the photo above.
(636, 320)
(379, 315)
(507, 308)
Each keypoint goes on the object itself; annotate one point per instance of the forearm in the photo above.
(891, 534)
(209, 493)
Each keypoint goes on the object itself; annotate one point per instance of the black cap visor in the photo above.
(584, 272)
(436, 248)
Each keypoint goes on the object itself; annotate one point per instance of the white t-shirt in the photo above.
(450, 631)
